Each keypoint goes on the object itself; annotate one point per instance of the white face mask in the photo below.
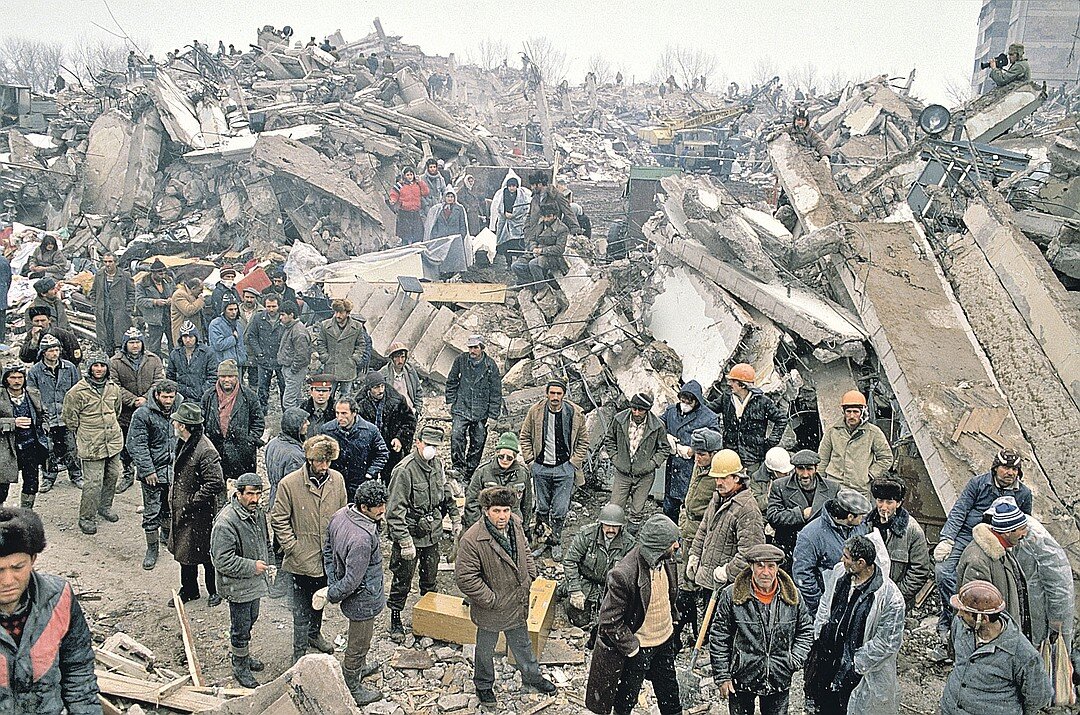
(428, 452)
(684, 408)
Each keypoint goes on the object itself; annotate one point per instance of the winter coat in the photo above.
(786, 503)
(134, 381)
(216, 304)
(757, 431)
(197, 484)
(52, 386)
(556, 199)
(419, 497)
(622, 613)
(239, 447)
(652, 452)
(343, 352)
(475, 211)
(855, 458)
(115, 309)
(1006, 676)
(551, 240)
(226, 339)
(986, 559)
(54, 263)
(237, 540)
(908, 551)
(878, 692)
(150, 439)
(513, 228)
(979, 493)
(319, 415)
(70, 349)
(262, 340)
(145, 295)
(759, 647)
(439, 225)
(412, 384)
(9, 461)
(496, 584)
(818, 548)
(56, 308)
(698, 497)
(589, 560)
(184, 306)
(284, 453)
(409, 196)
(489, 474)
(1049, 583)
(1019, 71)
(94, 416)
(728, 529)
(353, 563)
(363, 452)
(531, 435)
(436, 185)
(299, 518)
(474, 391)
(398, 421)
(193, 376)
(681, 426)
(294, 352)
(51, 670)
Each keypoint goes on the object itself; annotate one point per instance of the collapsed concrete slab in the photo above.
(120, 173)
(314, 685)
(986, 118)
(808, 185)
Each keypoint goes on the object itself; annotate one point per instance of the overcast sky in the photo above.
(857, 38)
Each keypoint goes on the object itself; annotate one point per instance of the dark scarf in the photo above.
(509, 200)
(845, 631)
(505, 540)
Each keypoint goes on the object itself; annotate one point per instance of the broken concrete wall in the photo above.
(314, 685)
(121, 163)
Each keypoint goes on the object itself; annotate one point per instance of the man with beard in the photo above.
(23, 446)
(855, 451)
(234, 421)
(680, 421)
(318, 404)
(796, 500)
(306, 501)
(135, 371)
(637, 444)
(48, 296)
(403, 377)
(262, 339)
(226, 336)
(504, 470)
(383, 407)
(192, 365)
(40, 326)
(53, 377)
(153, 296)
(592, 554)
(113, 296)
(635, 633)
(150, 445)
(903, 537)
(92, 409)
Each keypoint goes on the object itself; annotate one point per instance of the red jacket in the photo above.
(406, 197)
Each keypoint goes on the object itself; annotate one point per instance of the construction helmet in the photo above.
(743, 372)
(853, 398)
(612, 515)
(724, 463)
(979, 597)
(800, 113)
(778, 460)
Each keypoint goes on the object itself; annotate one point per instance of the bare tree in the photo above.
(549, 59)
(34, 63)
(804, 78)
(601, 68)
(958, 90)
(763, 71)
(686, 64)
(836, 81)
(91, 59)
(490, 53)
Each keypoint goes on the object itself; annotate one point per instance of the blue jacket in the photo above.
(195, 376)
(818, 548)
(225, 345)
(353, 563)
(53, 386)
(363, 452)
(976, 498)
(52, 669)
(681, 426)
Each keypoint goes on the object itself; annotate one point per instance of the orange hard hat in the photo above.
(853, 398)
(743, 372)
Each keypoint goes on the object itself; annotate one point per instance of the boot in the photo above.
(150, 560)
(88, 526)
(27, 501)
(127, 479)
(255, 665)
(242, 672)
(369, 669)
(108, 515)
(320, 644)
(46, 485)
(363, 696)
(395, 623)
(164, 535)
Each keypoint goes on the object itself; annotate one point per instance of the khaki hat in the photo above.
(432, 435)
(188, 413)
(1016, 49)
(228, 367)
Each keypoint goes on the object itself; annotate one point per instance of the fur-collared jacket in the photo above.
(986, 559)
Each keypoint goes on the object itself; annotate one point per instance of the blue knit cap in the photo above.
(1005, 516)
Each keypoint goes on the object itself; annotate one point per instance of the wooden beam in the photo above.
(172, 686)
(108, 708)
(184, 699)
(120, 664)
(189, 642)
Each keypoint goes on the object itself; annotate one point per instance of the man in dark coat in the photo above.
(48, 296)
(262, 340)
(353, 563)
(52, 376)
(904, 539)
(135, 370)
(495, 571)
(592, 554)
(637, 444)
(197, 484)
(319, 405)
(153, 296)
(634, 635)
(235, 421)
(113, 296)
(545, 251)
(382, 406)
(363, 452)
(796, 500)
(23, 444)
(544, 195)
(680, 421)
(474, 394)
(5, 286)
(760, 635)
(45, 613)
(41, 324)
(192, 365)
(150, 444)
(752, 423)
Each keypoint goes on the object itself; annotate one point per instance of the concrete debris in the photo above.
(314, 684)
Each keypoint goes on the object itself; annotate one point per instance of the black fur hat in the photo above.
(21, 532)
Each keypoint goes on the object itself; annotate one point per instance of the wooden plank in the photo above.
(120, 664)
(465, 292)
(172, 686)
(108, 708)
(189, 642)
(184, 699)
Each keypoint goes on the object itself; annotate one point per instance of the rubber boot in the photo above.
(363, 696)
(127, 479)
(368, 669)
(164, 534)
(395, 623)
(27, 501)
(556, 539)
(242, 672)
(255, 665)
(150, 560)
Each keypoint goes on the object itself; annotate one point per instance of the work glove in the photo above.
(942, 550)
(719, 575)
(691, 567)
(318, 599)
(408, 549)
(577, 600)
